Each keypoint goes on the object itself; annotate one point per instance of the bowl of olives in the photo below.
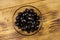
(27, 20)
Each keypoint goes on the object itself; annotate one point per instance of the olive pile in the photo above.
(28, 20)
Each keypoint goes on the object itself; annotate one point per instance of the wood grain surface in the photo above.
(50, 10)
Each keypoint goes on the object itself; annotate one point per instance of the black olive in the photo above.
(23, 20)
(35, 22)
(36, 27)
(29, 14)
(31, 18)
(36, 17)
(26, 11)
(34, 14)
(17, 18)
(28, 28)
(29, 22)
(32, 28)
(20, 13)
(23, 28)
(17, 23)
(31, 10)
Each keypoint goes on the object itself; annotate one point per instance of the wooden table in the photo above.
(50, 10)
